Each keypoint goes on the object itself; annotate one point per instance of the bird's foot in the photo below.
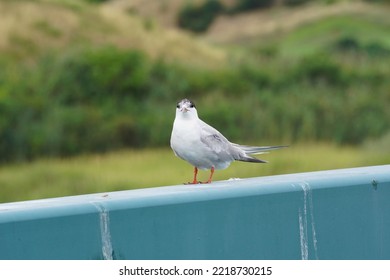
(196, 183)
(193, 183)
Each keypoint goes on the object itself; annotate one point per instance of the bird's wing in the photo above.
(213, 139)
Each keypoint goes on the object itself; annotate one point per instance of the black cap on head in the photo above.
(185, 100)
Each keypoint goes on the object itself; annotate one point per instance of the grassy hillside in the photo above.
(321, 34)
(276, 23)
(29, 29)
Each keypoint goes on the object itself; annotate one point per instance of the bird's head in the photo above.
(186, 108)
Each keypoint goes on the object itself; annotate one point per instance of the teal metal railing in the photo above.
(336, 214)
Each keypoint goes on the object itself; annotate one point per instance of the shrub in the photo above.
(351, 44)
(248, 5)
(199, 18)
(294, 2)
(347, 43)
(96, 1)
(109, 72)
(320, 69)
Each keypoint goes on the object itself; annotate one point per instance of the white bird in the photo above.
(203, 146)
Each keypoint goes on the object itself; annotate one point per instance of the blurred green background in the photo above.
(88, 88)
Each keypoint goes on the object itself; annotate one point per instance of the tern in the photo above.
(203, 146)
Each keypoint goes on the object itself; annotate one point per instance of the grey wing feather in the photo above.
(214, 139)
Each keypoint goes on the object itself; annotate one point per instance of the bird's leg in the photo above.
(211, 175)
(195, 175)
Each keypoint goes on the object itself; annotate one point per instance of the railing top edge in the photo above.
(188, 193)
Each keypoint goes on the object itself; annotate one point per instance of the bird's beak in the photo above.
(184, 109)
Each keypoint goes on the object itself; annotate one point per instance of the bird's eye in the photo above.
(192, 105)
(178, 106)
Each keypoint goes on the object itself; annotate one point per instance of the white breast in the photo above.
(186, 143)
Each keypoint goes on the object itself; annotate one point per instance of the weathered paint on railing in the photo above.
(336, 214)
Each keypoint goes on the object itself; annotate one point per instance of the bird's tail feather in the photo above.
(251, 159)
(254, 150)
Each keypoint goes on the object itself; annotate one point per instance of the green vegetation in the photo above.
(248, 5)
(106, 98)
(198, 18)
(96, 1)
(299, 2)
(365, 31)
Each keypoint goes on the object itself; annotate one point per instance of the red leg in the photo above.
(195, 175)
(211, 175)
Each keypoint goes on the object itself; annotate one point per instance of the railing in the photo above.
(336, 214)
